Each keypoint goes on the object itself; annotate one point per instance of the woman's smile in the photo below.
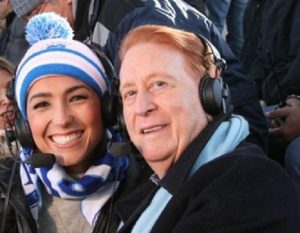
(67, 140)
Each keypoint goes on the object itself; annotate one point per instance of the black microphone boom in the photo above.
(41, 160)
(120, 148)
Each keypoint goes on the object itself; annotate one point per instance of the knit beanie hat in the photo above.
(54, 52)
(23, 7)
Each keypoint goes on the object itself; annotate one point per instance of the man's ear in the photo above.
(214, 71)
(217, 73)
(209, 117)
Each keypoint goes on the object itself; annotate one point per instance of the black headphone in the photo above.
(214, 93)
(110, 102)
(109, 106)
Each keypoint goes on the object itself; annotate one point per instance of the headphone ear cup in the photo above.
(109, 107)
(121, 123)
(109, 101)
(112, 113)
(23, 132)
(214, 95)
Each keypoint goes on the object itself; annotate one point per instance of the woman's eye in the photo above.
(40, 105)
(79, 97)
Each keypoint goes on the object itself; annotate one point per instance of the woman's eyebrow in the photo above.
(47, 94)
(38, 95)
(74, 88)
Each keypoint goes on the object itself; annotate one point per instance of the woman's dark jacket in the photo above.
(19, 218)
(239, 192)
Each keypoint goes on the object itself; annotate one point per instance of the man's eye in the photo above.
(129, 94)
(158, 86)
(160, 83)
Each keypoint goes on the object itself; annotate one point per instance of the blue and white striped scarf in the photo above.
(93, 189)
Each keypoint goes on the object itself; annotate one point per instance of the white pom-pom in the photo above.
(47, 25)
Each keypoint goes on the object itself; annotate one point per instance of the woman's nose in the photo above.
(62, 116)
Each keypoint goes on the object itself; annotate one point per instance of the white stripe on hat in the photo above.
(57, 57)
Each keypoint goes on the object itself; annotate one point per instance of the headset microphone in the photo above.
(41, 160)
(36, 160)
(120, 148)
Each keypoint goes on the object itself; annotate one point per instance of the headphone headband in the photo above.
(218, 60)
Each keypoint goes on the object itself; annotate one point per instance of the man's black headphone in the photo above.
(110, 106)
(214, 93)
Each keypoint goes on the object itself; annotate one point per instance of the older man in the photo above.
(177, 113)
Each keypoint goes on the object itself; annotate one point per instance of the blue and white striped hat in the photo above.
(58, 56)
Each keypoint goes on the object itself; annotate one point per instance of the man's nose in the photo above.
(144, 103)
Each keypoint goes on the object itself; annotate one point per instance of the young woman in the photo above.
(59, 90)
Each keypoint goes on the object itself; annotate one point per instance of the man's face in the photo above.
(161, 104)
(60, 7)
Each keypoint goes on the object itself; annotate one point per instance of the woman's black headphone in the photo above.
(110, 106)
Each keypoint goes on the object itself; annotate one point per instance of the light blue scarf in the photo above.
(93, 189)
(224, 140)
